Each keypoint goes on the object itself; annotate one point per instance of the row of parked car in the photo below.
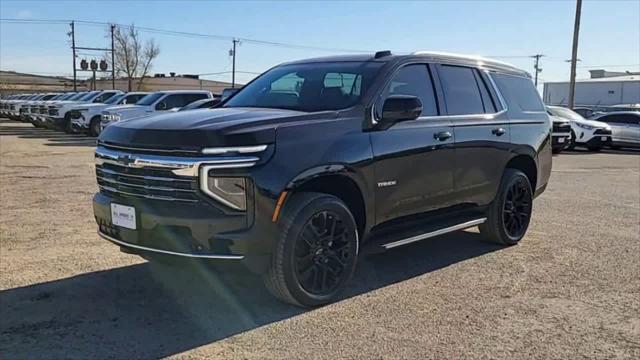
(614, 129)
(91, 111)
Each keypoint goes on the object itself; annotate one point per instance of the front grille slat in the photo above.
(147, 196)
(146, 183)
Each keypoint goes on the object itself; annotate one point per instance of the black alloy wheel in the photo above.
(517, 208)
(322, 253)
(316, 251)
(509, 214)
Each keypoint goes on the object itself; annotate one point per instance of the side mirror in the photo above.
(228, 92)
(398, 108)
(161, 106)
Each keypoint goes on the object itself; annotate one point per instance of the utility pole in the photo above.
(536, 67)
(574, 55)
(113, 59)
(73, 48)
(233, 68)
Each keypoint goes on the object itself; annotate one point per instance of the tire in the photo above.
(556, 150)
(66, 127)
(288, 277)
(514, 195)
(594, 148)
(572, 141)
(94, 126)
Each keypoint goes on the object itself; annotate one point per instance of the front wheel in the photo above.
(509, 215)
(572, 141)
(94, 126)
(316, 253)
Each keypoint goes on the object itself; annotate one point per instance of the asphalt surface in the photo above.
(570, 290)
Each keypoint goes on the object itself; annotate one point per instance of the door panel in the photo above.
(413, 168)
(481, 154)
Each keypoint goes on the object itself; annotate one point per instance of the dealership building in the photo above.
(604, 88)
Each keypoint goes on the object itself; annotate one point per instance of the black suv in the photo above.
(316, 162)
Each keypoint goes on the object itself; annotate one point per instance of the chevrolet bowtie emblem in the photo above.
(126, 160)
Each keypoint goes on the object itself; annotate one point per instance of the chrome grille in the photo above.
(145, 183)
(561, 127)
(43, 110)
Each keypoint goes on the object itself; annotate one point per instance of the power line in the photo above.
(186, 34)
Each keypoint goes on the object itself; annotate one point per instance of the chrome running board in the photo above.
(462, 226)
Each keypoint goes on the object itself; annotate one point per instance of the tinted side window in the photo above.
(519, 92)
(132, 99)
(193, 97)
(180, 100)
(620, 119)
(461, 90)
(412, 80)
(489, 106)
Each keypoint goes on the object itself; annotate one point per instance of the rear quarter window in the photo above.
(519, 93)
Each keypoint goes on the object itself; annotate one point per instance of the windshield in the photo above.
(90, 95)
(67, 96)
(115, 99)
(77, 96)
(308, 87)
(150, 99)
(565, 113)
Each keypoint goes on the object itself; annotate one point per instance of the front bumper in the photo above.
(173, 216)
(560, 141)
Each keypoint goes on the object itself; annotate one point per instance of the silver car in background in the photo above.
(625, 127)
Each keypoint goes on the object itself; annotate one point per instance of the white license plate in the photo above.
(603, 138)
(560, 140)
(124, 216)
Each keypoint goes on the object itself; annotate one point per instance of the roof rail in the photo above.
(462, 56)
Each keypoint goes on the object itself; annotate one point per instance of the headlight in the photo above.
(230, 191)
(586, 127)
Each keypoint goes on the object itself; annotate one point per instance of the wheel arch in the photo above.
(341, 182)
(527, 164)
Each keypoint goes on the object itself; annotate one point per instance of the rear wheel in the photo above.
(509, 214)
(316, 253)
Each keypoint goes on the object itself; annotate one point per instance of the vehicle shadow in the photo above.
(152, 311)
(620, 151)
(55, 138)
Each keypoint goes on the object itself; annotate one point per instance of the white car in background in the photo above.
(594, 135)
(171, 100)
(58, 113)
(87, 117)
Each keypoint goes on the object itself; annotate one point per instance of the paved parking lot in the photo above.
(570, 290)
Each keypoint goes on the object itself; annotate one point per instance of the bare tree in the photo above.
(132, 58)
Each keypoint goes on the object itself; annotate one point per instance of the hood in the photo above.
(127, 111)
(67, 102)
(89, 106)
(193, 130)
(594, 123)
(558, 120)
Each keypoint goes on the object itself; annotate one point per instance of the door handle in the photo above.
(442, 136)
(498, 131)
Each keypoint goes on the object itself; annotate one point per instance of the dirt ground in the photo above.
(570, 290)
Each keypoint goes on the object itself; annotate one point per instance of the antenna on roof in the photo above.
(381, 54)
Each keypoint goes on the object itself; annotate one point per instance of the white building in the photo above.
(602, 89)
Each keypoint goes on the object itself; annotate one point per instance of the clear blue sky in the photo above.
(610, 32)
